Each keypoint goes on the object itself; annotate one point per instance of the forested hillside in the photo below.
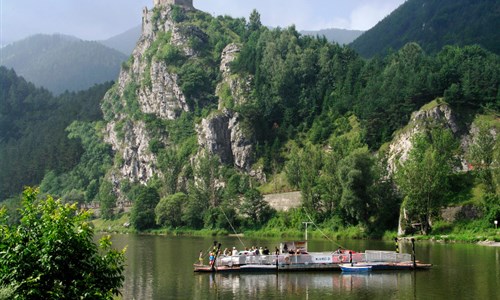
(215, 110)
(258, 105)
(62, 63)
(33, 135)
(433, 25)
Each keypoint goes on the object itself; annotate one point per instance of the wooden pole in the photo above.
(413, 252)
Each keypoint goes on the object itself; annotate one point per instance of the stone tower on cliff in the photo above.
(185, 3)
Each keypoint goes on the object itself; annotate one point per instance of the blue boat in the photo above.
(353, 268)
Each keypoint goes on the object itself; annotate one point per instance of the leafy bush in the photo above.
(51, 254)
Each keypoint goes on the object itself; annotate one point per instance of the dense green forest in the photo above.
(307, 95)
(33, 130)
(62, 63)
(319, 116)
(433, 25)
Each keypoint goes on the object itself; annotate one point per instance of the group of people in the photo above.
(253, 251)
(234, 252)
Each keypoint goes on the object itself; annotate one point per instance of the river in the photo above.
(160, 267)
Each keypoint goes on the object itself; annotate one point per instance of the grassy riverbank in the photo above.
(466, 233)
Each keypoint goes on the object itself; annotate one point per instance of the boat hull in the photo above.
(350, 268)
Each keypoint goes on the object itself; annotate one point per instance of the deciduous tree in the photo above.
(51, 253)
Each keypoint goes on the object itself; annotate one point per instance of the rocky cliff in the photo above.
(433, 114)
(149, 85)
(222, 135)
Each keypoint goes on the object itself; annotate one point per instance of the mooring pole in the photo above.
(413, 251)
(306, 223)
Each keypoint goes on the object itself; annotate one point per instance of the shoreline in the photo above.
(489, 243)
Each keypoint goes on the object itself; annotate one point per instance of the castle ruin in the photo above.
(184, 3)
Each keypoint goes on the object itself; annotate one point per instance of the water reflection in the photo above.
(159, 267)
(248, 286)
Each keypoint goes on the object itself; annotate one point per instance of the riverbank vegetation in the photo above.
(51, 254)
(320, 119)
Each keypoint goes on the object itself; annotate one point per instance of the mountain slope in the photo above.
(124, 42)
(335, 35)
(33, 136)
(434, 24)
(60, 63)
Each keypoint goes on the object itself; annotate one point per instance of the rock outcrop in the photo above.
(156, 90)
(150, 85)
(164, 98)
(137, 162)
(232, 90)
(420, 121)
(222, 135)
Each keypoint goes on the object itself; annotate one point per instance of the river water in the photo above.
(160, 267)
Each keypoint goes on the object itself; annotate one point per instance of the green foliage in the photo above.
(483, 156)
(356, 177)
(225, 96)
(178, 14)
(168, 212)
(434, 25)
(88, 174)
(256, 209)
(7, 292)
(424, 177)
(32, 130)
(492, 207)
(196, 81)
(291, 219)
(107, 199)
(170, 54)
(142, 215)
(51, 254)
(254, 23)
(132, 106)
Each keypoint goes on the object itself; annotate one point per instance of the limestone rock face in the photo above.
(419, 122)
(221, 135)
(138, 164)
(181, 36)
(149, 83)
(399, 149)
(232, 86)
(164, 98)
(466, 212)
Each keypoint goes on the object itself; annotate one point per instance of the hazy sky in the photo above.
(101, 19)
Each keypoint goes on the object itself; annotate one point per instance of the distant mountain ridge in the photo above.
(434, 24)
(60, 62)
(340, 36)
(124, 42)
